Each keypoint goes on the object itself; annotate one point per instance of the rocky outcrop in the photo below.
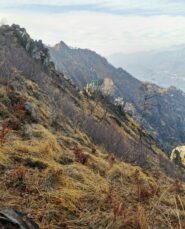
(36, 49)
(30, 110)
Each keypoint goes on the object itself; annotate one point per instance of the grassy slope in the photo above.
(42, 172)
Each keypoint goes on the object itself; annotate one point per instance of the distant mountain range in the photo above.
(164, 118)
(163, 67)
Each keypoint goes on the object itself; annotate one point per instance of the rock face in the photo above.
(160, 111)
(178, 155)
(36, 49)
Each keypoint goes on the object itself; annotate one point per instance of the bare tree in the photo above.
(120, 103)
(93, 90)
(100, 92)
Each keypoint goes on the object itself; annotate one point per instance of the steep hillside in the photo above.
(163, 67)
(83, 66)
(159, 110)
(66, 166)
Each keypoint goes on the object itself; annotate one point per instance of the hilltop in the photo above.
(67, 164)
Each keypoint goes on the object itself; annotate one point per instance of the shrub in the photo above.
(114, 142)
(170, 169)
(4, 132)
(18, 108)
(52, 179)
(177, 187)
(117, 207)
(145, 190)
(17, 178)
(80, 156)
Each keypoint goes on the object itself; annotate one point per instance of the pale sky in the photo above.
(105, 26)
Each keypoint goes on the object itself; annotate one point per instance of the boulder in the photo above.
(30, 109)
(10, 218)
(178, 155)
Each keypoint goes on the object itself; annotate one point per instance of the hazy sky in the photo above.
(106, 26)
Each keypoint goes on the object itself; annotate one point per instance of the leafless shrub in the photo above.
(103, 134)
(113, 141)
(171, 169)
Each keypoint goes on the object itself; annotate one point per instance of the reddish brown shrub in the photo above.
(141, 219)
(145, 191)
(4, 131)
(177, 187)
(117, 206)
(18, 109)
(16, 178)
(80, 156)
(112, 160)
(19, 173)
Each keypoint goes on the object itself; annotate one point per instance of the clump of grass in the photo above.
(53, 177)
(145, 189)
(116, 172)
(16, 178)
(85, 179)
(141, 218)
(46, 146)
(4, 160)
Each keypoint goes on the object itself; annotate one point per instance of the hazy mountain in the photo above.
(164, 119)
(165, 68)
(83, 66)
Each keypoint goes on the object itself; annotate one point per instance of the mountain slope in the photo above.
(165, 67)
(57, 158)
(164, 117)
(83, 66)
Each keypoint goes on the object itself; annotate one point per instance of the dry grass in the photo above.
(41, 175)
(79, 195)
(44, 146)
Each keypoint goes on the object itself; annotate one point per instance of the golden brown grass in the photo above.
(103, 193)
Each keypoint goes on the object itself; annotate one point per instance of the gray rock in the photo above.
(31, 111)
(36, 49)
(10, 218)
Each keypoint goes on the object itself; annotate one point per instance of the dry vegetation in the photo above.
(65, 177)
(73, 162)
